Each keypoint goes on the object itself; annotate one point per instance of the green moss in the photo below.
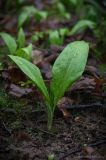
(7, 101)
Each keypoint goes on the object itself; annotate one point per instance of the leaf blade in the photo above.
(32, 72)
(67, 68)
(25, 52)
(81, 25)
(21, 38)
(10, 42)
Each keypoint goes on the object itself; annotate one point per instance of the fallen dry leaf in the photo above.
(17, 91)
(85, 83)
(79, 119)
(91, 70)
(61, 105)
(88, 150)
(37, 56)
(23, 136)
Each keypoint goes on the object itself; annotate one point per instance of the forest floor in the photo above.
(79, 125)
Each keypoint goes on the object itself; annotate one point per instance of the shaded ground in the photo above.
(24, 133)
(79, 128)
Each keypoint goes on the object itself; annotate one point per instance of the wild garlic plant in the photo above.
(17, 46)
(67, 68)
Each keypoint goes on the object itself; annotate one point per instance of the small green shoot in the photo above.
(16, 46)
(62, 11)
(21, 38)
(30, 11)
(51, 157)
(37, 36)
(57, 37)
(67, 68)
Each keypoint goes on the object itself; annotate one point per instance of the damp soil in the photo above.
(24, 134)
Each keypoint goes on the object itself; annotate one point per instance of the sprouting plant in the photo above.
(57, 37)
(51, 157)
(17, 46)
(58, 11)
(61, 11)
(67, 68)
(37, 36)
(30, 11)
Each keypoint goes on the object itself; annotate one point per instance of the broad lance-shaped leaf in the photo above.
(67, 68)
(81, 25)
(32, 72)
(10, 42)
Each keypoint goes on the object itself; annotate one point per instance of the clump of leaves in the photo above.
(58, 11)
(61, 11)
(30, 11)
(57, 37)
(67, 68)
(37, 36)
(17, 46)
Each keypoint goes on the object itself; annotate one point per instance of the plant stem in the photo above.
(50, 119)
(50, 114)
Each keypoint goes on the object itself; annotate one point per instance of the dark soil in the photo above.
(25, 136)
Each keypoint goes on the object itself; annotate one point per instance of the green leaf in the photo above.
(26, 13)
(28, 51)
(25, 52)
(54, 38)
(63, 31)
(61, 8)
(22, 18)
(62, 11)
(21, 38)
(39, 15)
(67, 68)
(81, 25)
(32, 72)
(74, 2)
(37, 36)
(10, 42)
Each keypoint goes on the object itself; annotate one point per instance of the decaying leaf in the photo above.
(88, 150)
(37, 56)
(17, 91)
(61, 105)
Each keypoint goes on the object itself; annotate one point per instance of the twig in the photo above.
(44, 131)
(84, 106)
(6, 129)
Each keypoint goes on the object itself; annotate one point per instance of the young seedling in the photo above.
(57, 37)
(29, 12)
(67, 68)
(51, 157)
(17, 46)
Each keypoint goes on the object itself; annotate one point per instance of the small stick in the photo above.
(6, 129)
(84, 106)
